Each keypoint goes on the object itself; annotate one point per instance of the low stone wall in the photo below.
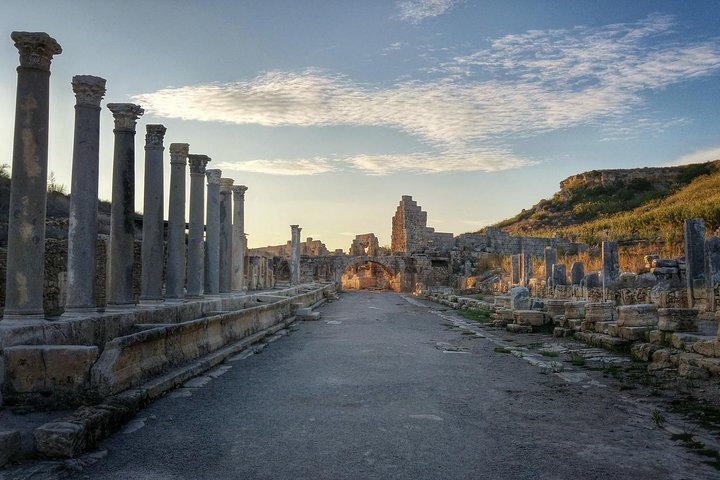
(78, 360)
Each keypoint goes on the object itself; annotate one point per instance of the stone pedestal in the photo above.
(82, 231)
(238, 238)
(196, 245)
(295, 255)
(577, 273)
(175, 279)
(515, 269)
(122, 210)
(153, 209)
(559, 275)
(226, 215)
(212, 233)
(28, 190)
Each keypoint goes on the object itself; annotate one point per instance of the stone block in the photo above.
(632, 333)
(685, 341)
(613, 329)
(60, 439)
(691, 372)
(599, 312)
(707, 348)
(642, 315)
(602, 327)
(10, 443)
(575, 324)
(520, 298)
(677, 319)
(555, 307)
(560, 320)
(502, 301)
(504, 314)
(643, 351)
(657, 337)
(515, 328)
(712, 365)
(63, 370)
(575, 310)
(532, 318)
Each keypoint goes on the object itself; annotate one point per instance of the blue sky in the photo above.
(330, 111)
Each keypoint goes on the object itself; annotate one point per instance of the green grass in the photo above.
(548, 353)
(502, 350)
(482, 315)
(577, 360)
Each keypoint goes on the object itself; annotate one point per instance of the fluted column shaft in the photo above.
(196, 244)
(82, 230)
(153, 209)
(238, 238)
(212, 233)
(175, 280)
(28, 189)
(122, 209)
(295, 255)
(226, 215)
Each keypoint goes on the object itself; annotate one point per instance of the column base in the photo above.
(32, 317)
(74, 312)
(119, 307)
(174, 300)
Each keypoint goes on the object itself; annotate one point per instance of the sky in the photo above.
(330, 111)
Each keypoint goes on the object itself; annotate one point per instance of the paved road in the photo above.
(381, 388)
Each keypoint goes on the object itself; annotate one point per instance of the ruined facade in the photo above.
(309, 247)
(410, 233)
(365, 244)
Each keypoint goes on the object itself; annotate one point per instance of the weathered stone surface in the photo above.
(602, 327)
(677, 319)
(504, 314)
(62, 370)
(657, 337)
(559, 275)
(643, 351)
(550, 259)
(685, 341)
(610, 262)
(707, 348)
(712, 365)
(520, 298)
(599, 312)
(60, 439)
(555, 307)
(577, 273)
(602, 340)
(574, 310)
(502, 301)
(9, 446)
(641, 315)
(695, 258)
(515, 328)
(532, 318)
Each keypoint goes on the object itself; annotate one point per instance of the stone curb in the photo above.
(88, 425)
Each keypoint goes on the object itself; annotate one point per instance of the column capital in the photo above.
(295, 228)
(89, 90)
(154, 135)
(213, 176)
(198, 163)
(239, 192)
(36, 49)
(125, 115)
(226, 185)
(179, 153)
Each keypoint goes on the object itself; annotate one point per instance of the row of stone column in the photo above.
(215, 269)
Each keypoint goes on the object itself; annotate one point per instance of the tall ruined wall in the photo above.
(410, 233)
(497, 241)
(308, 247)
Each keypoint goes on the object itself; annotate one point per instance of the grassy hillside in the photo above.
(626, 204)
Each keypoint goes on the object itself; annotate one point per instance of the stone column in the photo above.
(515, 269)
(559, 275)
(82, 231)
(212, 233)
(28, 190)
(295, 255)
(196, 245)
(527, 273)
(175, 280)
(695, 259)
(610, 263)
(122, 209)
(577, 273)
(153, 209)
(550, 260)
(226, 215)
(238, 238)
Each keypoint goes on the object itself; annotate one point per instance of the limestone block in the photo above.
(575, 324)
(692, 372)
(602, 327)
(677, 319)
(520, 298)
(58, 369)
(599, 312)
(502, 301)
(632, 333)
(613, 329)
(664, 263)
(685, 341)
(555, 307)
(60, 439)
(504, 314)
(9, 446)
(662, 355)
(665, 271)
(643, 351)
(641, 315)
(657, 337)
(515, 328)
(575, 310)
(707, 348)
(560, 321)
(712, 365)
(532, 318)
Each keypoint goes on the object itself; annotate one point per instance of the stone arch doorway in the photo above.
(370, 275)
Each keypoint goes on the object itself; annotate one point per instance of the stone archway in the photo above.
(370, 275)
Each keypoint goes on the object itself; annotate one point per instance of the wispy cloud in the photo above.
(415, 11)
(301, 166)
(699, 156)
(540, 81)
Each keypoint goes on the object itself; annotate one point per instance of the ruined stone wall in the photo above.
(410, 233)
(497, 241)
(308, 247)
